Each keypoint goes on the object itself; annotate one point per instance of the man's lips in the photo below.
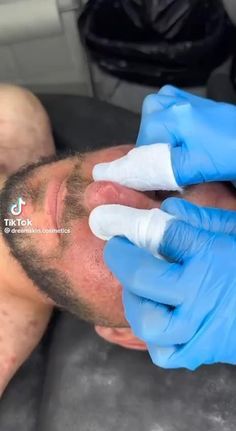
(55, 200)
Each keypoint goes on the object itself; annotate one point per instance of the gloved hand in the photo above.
(183, 307)
(198, 139)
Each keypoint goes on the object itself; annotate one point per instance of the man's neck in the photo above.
(24, 316)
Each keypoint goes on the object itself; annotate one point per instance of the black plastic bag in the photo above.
(233, 71)
(142, 53)
(167, 17)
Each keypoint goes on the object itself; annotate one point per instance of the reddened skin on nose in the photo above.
(107, 192)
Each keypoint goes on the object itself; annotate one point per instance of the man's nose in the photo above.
(106, 192)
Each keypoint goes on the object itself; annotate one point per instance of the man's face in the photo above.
(69, 268)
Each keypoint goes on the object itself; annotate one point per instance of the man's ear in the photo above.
(122, 336)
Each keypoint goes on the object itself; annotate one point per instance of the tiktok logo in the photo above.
(16, 209)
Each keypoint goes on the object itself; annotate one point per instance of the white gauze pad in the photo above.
(144, 228)
(144, 168)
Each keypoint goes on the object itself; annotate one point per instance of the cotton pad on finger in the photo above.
(144, 228)
(144, 168)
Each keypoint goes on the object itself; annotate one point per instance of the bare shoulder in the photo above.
(22, 325)
(25, 130)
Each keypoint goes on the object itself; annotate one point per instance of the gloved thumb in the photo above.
(182, 240)
(211, 219)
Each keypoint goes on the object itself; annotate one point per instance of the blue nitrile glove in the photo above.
(183, 308)
(198, 138)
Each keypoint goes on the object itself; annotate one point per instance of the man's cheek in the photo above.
(83, 262)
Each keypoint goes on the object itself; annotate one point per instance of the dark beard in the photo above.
(51, 282)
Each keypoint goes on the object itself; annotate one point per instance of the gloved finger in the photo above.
(210, 219)
(190, 355)
(198, 350)
(176, 359)
(157, 102)
(159, 127)
(182, 326)
(175, 92)
(144, 168)
(147, 319)
(182, 240)
(143, 274)
(144, 228)
(157, 323)
(150, 289)
(161, 355)
(153, 133)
